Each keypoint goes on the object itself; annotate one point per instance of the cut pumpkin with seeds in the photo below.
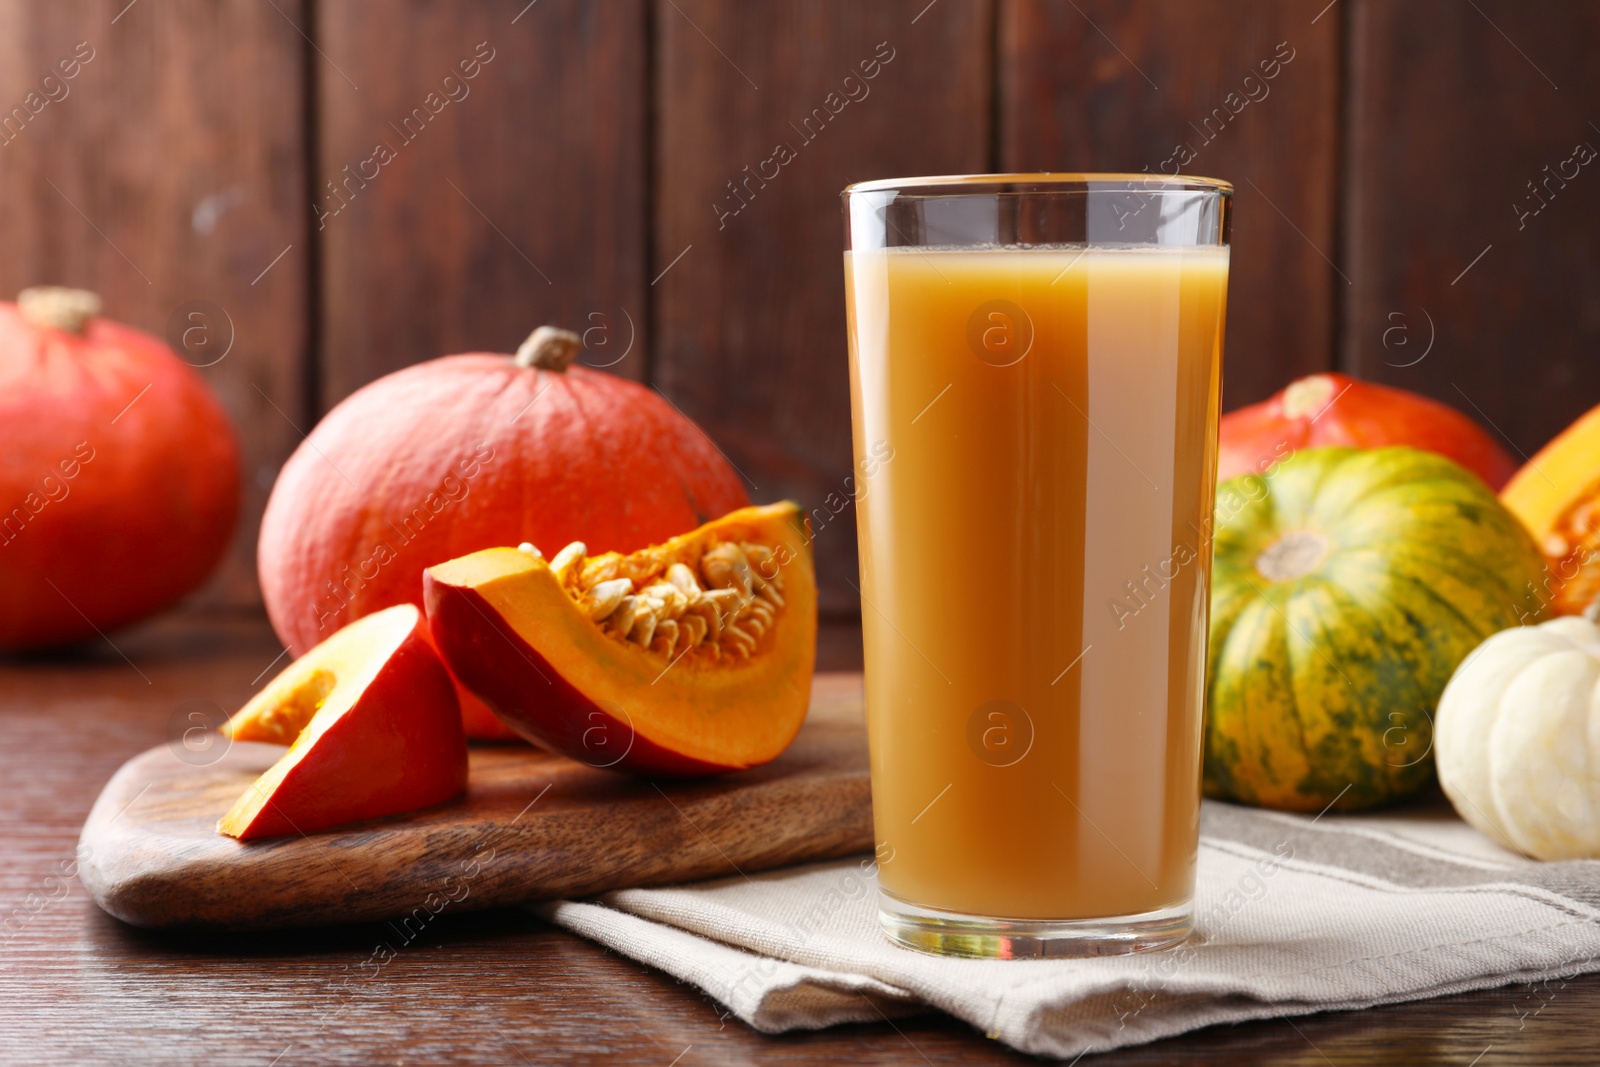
(689, 657)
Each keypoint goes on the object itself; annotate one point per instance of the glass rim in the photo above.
(1040, 183)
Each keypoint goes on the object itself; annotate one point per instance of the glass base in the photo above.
(949, 933)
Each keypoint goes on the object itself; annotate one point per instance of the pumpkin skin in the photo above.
(119, 478)
(1347, 588)
(1557, 496)
(1324, 410)
(1519, 737)
(468, 452)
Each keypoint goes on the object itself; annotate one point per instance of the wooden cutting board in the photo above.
(532, 826)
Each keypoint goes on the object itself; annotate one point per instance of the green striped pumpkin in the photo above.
(1347, 586)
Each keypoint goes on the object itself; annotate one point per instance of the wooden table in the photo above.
(77, 987)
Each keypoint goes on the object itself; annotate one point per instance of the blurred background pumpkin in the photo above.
(123, 466)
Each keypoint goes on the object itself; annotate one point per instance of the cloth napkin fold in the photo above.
(1294, 915)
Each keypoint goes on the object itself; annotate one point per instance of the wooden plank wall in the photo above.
(750, 321)
(519, 201)
(1245, 90)
(171, 170)
(1382, 151)
(1462, 231)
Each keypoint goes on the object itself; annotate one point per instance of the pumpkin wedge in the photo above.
(689, 657)
(373, 729)
(1557, 496)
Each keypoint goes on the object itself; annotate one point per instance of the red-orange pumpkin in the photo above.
(1332, 409)
(119, 475)
(468, 452)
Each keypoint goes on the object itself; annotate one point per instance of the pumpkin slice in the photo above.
(1557, 496)
(373, 729)
(689, 657)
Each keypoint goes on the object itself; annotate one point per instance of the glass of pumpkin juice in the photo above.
(1035, 364)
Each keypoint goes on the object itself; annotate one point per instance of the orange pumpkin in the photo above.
(119, 479)
(468, 452)
(1333, 409)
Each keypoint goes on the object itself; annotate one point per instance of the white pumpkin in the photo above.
(1517, 739)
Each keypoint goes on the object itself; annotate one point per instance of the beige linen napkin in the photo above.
(1294, 915)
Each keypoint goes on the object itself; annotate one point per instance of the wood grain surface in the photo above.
(1471, 225)
(749, 277)
(167, 174)
(514, 197)
(532, 826)
(1109, 86)
(485, 987)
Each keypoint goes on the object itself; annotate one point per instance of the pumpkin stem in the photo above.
(549, 348)
(1294, 555)
(58, 307)
(1310, 394)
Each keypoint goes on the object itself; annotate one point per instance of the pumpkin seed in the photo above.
(762, 564)
(644, 628)
(694, 629)
(707, 612)
(728, 601)
(562, 565)
(682, 577)
(740, 641)
(726, 567)
(599, 569)
(664, 605)
(622, 619)
(667, 632)
(673, 601)
(607, 595)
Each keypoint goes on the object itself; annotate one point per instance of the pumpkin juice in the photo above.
(1038, 425)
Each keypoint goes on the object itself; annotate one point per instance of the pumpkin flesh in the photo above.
(518, 632)
(1557, 495)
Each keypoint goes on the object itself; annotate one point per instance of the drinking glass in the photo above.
(1035, 363)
